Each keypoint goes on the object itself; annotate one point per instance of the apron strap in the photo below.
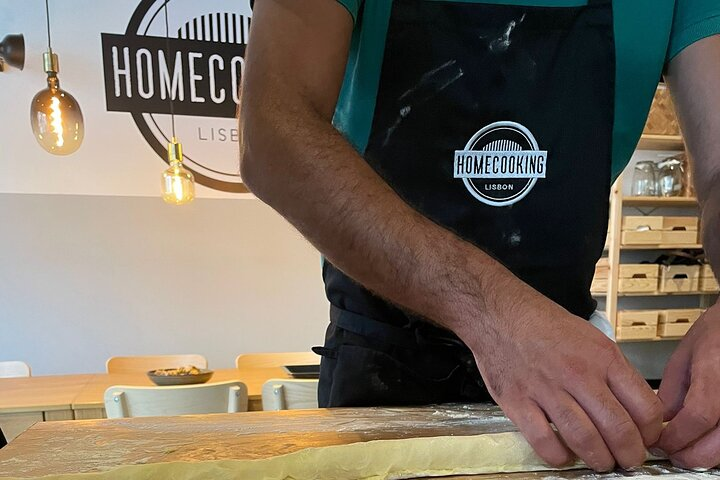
(369, 328)
(412, 337)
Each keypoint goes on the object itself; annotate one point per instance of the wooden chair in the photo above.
(269, 360)
(142, 364)
(283, 394)
(14, 369)
(125, 401)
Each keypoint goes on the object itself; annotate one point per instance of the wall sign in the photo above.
(199, 68)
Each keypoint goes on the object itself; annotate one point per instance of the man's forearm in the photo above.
(299, 164)
(694, 77)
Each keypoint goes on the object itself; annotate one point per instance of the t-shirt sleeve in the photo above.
(352, 6)
(694, 20)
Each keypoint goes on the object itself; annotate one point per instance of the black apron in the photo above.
(494, 121)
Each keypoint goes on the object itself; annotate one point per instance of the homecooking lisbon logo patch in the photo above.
(501, 164)
(201, 72)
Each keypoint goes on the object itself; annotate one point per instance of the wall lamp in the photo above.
(12, 52)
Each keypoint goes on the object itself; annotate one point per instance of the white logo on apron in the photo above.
(500, 164)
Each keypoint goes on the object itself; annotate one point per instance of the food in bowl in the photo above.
(189, 375)
(173, 372)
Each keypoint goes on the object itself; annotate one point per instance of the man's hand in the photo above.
(690, 392)
(548, 365)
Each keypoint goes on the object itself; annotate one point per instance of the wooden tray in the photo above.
(679, 278)
(680, 223)
(632, 270)
(679, 237)
(638, 285)
(681, 315)
(638, 318)
(668, 330)
(636, 332)
(676, 323)
(649, 237)
(638, 278)
(643, 222)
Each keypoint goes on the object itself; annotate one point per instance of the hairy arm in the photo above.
(296, 161)
(538, 361)
(691, 381)
(694, 78)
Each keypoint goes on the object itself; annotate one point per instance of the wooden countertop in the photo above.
(95, 445)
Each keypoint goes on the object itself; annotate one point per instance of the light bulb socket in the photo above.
(51, 65)
(175, 154)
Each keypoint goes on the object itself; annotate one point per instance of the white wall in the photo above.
(85, 277)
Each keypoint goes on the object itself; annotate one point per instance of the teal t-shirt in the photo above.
(648, 33)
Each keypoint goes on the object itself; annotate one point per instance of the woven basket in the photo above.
(662, 119)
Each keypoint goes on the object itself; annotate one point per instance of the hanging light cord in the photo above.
(167, 54)
(47, 18)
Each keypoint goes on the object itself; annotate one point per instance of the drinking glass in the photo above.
(645, 179)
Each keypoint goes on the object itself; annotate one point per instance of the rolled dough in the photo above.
(374, 460)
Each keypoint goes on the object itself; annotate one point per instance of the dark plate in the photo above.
(303, 371)
(166, 380)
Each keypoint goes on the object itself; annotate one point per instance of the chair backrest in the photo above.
(14, 369)
(125, 401)
(284, 394)
(142, 364)
(268, 360)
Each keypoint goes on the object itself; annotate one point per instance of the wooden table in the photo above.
(25, 401)
(94, 445)
(88, 403)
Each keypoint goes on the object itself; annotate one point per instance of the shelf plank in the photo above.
(660, 202)
(666, 294)
(661, 142)
(657, 294)
(656, 339)
(689, 246)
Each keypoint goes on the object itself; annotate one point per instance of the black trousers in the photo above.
(369, 363)
(3, 442)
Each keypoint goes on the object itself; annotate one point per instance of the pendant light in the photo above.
(55, 115)
(178, 183)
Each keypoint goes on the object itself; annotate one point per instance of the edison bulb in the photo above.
(55, 115)
(178, 184)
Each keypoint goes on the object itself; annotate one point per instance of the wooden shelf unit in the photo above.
(614, 245)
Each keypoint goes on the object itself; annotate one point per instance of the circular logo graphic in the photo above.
(203, 67)
(501, 164)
